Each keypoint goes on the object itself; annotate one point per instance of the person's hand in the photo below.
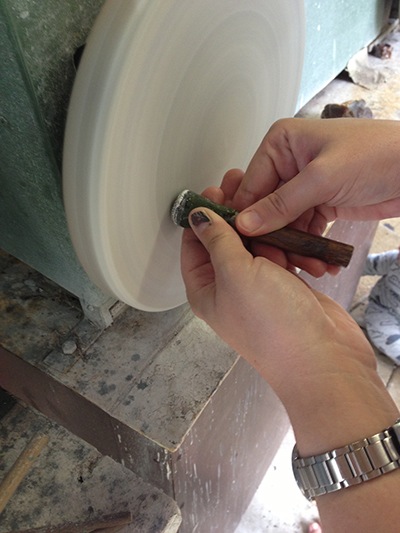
(267, 314)
(290, 261)
(310, 351)
(309, 172)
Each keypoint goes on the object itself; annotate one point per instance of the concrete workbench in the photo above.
(158, 393)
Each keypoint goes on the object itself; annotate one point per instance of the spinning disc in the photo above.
(169, 95)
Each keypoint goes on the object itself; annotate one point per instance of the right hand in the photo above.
(308, 172)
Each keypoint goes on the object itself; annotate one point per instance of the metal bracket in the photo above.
(104, 314)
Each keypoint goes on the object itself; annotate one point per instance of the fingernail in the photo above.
(250, 220)
(199, 217)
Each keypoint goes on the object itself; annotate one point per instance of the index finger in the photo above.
(272, 164)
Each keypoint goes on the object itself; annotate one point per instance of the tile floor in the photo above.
(278, 506)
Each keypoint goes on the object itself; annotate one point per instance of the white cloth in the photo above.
(382, 316)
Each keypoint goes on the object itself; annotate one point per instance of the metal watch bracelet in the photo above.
(349, 465)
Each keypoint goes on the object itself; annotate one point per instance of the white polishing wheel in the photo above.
(169, 95)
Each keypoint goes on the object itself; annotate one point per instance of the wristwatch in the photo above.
(350, 465)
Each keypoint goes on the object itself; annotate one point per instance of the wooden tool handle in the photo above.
(306, 244)
(20, 468)
(288, 239)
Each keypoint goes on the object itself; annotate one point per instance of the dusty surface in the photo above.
(72, 482)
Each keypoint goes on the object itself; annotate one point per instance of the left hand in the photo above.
(252, 304)
(314, 356)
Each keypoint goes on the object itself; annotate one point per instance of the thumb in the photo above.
(281, 207)
(221, 241)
